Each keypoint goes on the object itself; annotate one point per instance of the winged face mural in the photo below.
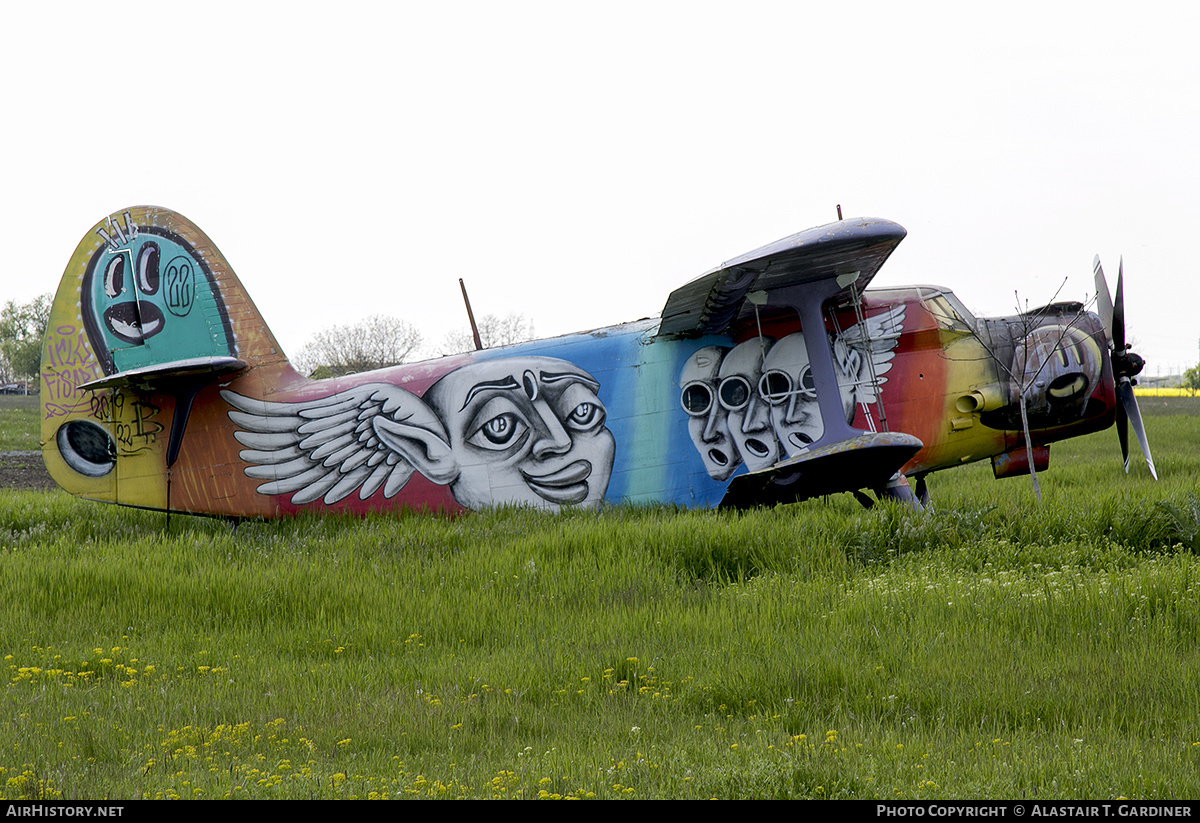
(515, 431)
(774, 377)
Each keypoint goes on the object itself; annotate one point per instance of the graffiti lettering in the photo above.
(69, 364)
(141, 431)
(67, 348)
(181, 286)
(60, 394)
(105, 406)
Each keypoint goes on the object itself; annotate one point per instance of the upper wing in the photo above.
(331, 446)
(850, 250)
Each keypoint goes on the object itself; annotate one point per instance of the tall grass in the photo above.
(987, 648)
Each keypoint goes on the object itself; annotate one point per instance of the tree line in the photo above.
(22, 328)
(381, 341)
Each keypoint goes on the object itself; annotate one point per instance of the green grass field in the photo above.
(990, 648)
(19, 428)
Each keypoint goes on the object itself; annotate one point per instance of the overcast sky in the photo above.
(576, 162)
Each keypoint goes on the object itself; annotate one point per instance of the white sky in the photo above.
(576, 162)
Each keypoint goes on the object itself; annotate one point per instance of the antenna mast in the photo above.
(470, 316)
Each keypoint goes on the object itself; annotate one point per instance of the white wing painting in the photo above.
(865, 352)
(329, 447)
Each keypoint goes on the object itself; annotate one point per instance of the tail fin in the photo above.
(148, 313)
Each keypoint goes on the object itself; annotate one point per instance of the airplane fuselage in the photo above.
(164, 389)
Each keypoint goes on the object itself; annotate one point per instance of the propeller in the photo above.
(1126, 364)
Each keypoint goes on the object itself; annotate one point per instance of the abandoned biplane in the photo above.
(773, 378)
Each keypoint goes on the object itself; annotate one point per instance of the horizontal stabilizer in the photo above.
(864, 462)
(850, 251)
(193, 369)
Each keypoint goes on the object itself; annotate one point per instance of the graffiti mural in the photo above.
(148, 297)
(68, 364)
(1057, 367)
(707, 423)
(513, 431)
(775, 377)
(757, 402)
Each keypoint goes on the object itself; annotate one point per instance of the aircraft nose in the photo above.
(1127, 363)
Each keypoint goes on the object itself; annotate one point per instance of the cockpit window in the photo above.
(949, 312)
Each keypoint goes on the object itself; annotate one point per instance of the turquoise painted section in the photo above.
(150, 300)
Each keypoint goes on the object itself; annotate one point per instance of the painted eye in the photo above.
(87, 448)
(147, 268)
(1068, 386)
(808, 386)
(114, 277)
(734, 392)
(696, 399)
(499, 432)
(775, 387)
(586, 416)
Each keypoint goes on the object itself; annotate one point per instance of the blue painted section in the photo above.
(655, 459)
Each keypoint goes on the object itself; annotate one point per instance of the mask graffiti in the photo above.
(747, 414)
(707, 418)
(757, 402)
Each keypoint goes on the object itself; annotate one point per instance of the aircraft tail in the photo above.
(148, 315)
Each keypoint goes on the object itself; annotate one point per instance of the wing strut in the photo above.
(808, 300)
(862, 324)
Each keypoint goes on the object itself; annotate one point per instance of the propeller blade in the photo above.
(1104, 304)
(1125, 363)
(1130, 408)
(1118, 317)
(1123, 430)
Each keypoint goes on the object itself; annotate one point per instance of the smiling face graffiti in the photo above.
(129, 320)
(144, 281)
(526, 430)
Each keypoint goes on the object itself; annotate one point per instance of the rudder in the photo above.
(147, 314)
